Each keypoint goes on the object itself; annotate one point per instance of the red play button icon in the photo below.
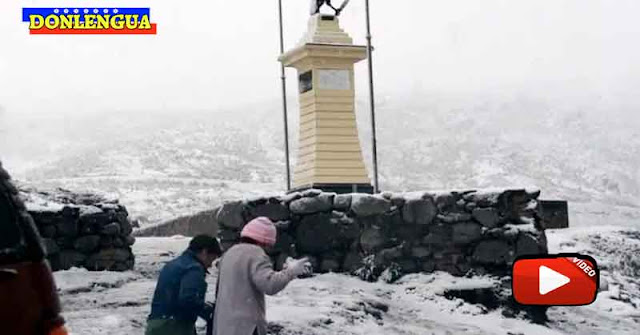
(561, 280)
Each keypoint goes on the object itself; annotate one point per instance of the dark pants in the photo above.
(169, 327)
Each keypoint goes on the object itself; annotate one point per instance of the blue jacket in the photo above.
(181, 290)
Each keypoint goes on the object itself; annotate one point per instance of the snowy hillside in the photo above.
(117, 303)
(164, 165)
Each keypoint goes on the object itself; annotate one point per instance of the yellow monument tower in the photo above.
(329, 152)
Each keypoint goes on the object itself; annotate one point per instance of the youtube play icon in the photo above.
(555, 280)
(550, 280)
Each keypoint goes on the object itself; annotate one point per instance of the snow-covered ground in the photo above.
(117, 303)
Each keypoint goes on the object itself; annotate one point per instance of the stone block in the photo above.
(48, 231)
(230, 215)
(342, 202)
(119, 242)
(87, 244)
(125, 225)
(419, 211)
(466, 232)
(107, 241)
(454, 217)
(398, 200)
(309, 205)
(288, 198)
(274, 211)
(387, 256)
(487, 217)
(483, 198)
(494, 252)
(111, 229)
(348, 228)
(373, 238)
(315, 234)
(439, 236)
(284, 243)
(369, 205)
(67, 228)
(427, 266)
(129, 241)
(108, 259)
(50, 246)
(329, 265)
(352, 261)
(96, 217)
(282, 225)
(408, 265)
(312, 192)
(527, 244)
(420, 252)
(445, 202)
(229, 235)
(70, 258)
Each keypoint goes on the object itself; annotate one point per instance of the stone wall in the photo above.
(82, 230)
(387, 235)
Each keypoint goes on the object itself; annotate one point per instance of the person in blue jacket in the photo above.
(179, 298)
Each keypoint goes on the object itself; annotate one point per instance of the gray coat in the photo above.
(246, 275)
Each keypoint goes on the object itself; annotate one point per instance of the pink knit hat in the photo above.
(261, 230)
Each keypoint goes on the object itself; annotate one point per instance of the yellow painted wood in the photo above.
(307, 181)
(328, 140)
(321, 156)
(335, 123)
(335, 131)
(332, 173)
(341, 180)
(336, 116)
(333, 165)
(326, 107)
(352, 164)
(333, 148)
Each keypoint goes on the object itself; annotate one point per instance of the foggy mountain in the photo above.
(165, 164)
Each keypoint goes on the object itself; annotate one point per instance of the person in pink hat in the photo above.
(246, 275)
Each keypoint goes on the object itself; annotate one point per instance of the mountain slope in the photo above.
(169, 164)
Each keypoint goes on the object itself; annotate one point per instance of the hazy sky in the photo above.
(214, 53)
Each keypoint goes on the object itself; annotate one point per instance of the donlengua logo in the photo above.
(135, 21)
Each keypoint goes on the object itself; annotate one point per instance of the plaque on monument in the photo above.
(334, 79)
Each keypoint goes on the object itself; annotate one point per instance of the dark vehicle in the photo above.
(29, 303)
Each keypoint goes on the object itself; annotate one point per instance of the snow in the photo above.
(88, 210)
(525, 228)
(118, 303)
(77, 280)
(38, 203)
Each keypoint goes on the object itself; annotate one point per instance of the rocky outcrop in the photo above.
(188, 225)
(82, 230)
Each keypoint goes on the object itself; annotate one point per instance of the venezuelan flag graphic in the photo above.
(94, 21)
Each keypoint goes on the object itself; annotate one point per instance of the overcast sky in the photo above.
(211, 54)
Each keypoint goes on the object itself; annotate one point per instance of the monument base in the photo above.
(337, 188)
